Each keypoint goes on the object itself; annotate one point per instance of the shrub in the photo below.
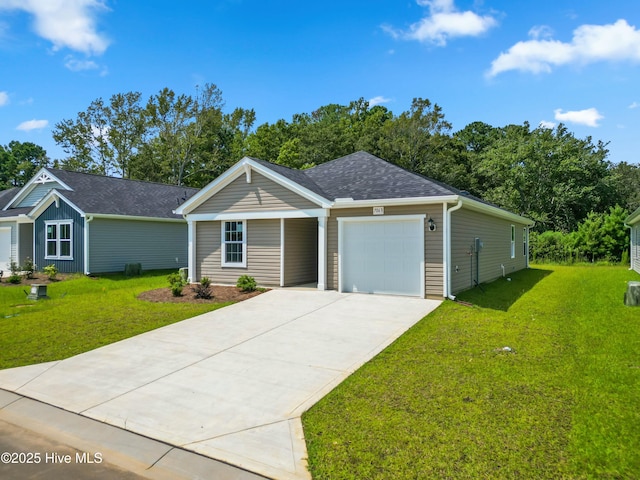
(203, 289)
(246, 283)
(176, 284)
(14, 267)
(15, 278)
(28, 267)
(51, 271)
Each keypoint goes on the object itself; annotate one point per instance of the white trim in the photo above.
(380, 219)
(87, 220)
(58, 240)
(240, 169)
(191, 250)
(512, 233)
(51, 197)
(447, 241)
(310, 213)
(223, 245)
(388, 202)
(107, 216)
(8, 261)
(24, 191)
(282, 252)
(322, 253)
(445, 248)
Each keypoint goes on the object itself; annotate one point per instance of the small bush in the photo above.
(14, 267)
(246, 283)
(14, 278)
(174, 278)
(28, 268)
(203, 289)
(176, 289)
(51, 271)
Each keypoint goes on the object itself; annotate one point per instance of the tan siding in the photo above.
(433, 243)
(261, 194)
(495, 234)
(300, 251)
(263, 253)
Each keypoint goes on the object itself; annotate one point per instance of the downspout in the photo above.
(447, 242)
(86, 244)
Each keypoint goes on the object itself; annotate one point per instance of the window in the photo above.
(234, 244)
(513, 241)
(524, 242)
(59, 240)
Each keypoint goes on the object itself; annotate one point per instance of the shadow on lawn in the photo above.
(502, 293)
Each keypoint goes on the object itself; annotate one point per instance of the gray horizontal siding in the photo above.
(495, 233)
(433, 243)
(263, 253)
(300, 251)
(156, 245)
(635, 248)
(38, 193)
(60, 212)
(261, 194)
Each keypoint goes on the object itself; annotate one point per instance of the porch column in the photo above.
(191, 252)
(322, 253)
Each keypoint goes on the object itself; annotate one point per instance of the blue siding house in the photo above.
(89, 223)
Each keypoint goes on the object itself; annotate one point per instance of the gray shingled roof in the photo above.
(98, 194)
(363, 176)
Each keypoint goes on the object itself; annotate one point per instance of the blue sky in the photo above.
(496, 61)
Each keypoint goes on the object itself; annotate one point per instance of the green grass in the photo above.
(83, 313)
(446, 401)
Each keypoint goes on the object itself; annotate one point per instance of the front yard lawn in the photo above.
(83, 313)
(540, 378)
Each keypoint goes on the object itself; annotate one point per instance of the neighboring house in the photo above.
(355, 224)
(633, 222)
(92, 224)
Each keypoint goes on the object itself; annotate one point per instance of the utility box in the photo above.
(632, 295)
(38, 292)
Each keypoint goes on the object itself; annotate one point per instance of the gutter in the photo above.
(447, 243)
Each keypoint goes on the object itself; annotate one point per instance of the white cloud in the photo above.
(65, 23)
(4, 99)
(32, 125)
(618, 41)
(444, 21)
(589, 117)
(634, 105)
(76, 65)
(378, 100)
(546, 124)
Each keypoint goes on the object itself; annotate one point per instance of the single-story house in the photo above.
(354, 224)
(633, 222)
(92, 223)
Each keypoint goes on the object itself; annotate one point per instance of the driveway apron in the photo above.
(229, 384)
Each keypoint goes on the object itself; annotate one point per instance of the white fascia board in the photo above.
(51, 197)
(240, 169)
(494, 211)
(108, 216)
(257, 215)
(633, 218)
(390, 202)
(24, 191)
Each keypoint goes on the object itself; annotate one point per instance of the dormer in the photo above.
(36, 189)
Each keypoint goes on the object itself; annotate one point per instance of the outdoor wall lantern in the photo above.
(432, 225)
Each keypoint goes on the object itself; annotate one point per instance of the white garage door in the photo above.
(382, 255)
(5, 248)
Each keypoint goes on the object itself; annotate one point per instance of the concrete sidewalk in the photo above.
(230, 384)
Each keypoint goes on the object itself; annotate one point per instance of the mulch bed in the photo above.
(220, 294)
(40, 278)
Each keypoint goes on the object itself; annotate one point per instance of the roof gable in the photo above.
(36, 189)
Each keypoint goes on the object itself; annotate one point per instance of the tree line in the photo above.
(548, 175)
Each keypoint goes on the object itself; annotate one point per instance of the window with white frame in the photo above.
(59, 240)
(513, 241)
(524, 242)
(234, 243)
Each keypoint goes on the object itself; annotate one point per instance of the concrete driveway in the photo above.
(230, 384)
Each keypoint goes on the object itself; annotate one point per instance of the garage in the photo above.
(382, 255)
(5, 248)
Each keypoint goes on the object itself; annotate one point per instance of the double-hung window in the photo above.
(59, 240)
(234, 244)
